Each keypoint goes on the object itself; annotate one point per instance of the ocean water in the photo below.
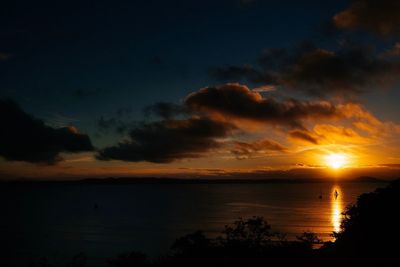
(103, 220)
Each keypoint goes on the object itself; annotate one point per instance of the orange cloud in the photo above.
(380, 17)
(238, 102)
(331, 134)
(303, 136)
(244, 150)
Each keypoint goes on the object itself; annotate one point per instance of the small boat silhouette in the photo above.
(336, 194)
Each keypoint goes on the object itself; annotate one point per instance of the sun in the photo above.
(336, 161)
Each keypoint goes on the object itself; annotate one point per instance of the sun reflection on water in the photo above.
(336, 207)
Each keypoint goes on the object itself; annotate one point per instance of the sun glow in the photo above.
(336, 161)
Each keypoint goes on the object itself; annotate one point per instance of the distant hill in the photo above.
(164, 180)
(368, 179)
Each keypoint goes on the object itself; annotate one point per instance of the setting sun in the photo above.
(336, 161)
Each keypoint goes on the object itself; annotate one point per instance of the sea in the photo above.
(58, 221)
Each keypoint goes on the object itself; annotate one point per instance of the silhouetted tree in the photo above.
(78, 260)
(132, 259)
(42, 262)
(309, 239)
(192, 242)
(370, 229)
(252, 233)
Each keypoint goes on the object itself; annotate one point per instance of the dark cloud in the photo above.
(119, 122)
(25, 138)
(165, 110)
(57, 120)
(244, 150)
(117, 125)
(271, 63)
(169, 140)
(106, 124)
(278, 59)
(393, 52)
(303, 136)
(349, 71)
(317, 72)
(238, 101)
(380, 17)
(242, 73)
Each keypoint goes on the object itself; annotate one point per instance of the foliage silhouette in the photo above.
(309, 239)
(78, 260)
(134, 258)
(42, 262)
(370, 231)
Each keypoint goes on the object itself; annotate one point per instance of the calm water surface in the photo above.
(59, 221)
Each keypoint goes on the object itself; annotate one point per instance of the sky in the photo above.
(188, 89)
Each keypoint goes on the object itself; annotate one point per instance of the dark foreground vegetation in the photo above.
(369, 236)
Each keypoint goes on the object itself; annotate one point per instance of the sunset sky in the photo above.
(229, 88)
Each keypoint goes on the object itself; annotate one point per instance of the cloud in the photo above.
(165, 110)
(331, 134)
(264, 88)
(347, 72)
(119, 122)
(303, 135)
(243, 150)
(169, 140)
(105, 125)
(394, 165)
(209, 119)
(111, 125)
(271, 63)
(25, 138)
(322, 134)
(235, 101)
(394, 51)
(242, 73)
(380, 17)
(57, 120)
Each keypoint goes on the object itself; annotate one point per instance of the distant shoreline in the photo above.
(155, 180)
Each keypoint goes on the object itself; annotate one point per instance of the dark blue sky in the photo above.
(89, 58)
(246, 86)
